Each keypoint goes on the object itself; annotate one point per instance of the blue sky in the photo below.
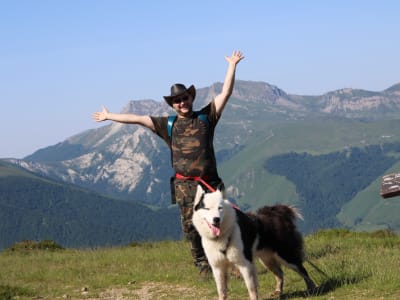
(61, 60)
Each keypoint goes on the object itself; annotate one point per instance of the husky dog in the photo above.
(230, 236)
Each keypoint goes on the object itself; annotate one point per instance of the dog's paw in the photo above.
(275, 294)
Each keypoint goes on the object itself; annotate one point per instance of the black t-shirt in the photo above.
(191, 143)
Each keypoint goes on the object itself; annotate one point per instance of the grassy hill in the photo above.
(313, 136)
(365, 212)
(352, 265)
(256, 185)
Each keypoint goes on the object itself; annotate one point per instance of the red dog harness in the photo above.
(195, 178)
(199, 179)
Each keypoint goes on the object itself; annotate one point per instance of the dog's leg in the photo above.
(299, 268)
(249, 275)
(221, 280)
(267, 260)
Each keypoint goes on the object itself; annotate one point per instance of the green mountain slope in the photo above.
(327, 182)
(36, 208)
(366, 212)
(256, 186)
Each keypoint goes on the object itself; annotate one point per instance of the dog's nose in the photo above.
(216, 220)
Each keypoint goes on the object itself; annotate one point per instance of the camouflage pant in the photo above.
(185, 192)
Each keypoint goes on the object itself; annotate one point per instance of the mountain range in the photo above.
(271, 147)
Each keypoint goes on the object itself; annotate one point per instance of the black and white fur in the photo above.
(230, 236)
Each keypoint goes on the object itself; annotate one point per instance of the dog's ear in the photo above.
(221, 191)
(199, 196)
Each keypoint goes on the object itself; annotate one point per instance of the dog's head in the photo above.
(209, 211)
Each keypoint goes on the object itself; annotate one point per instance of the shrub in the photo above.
(29, 245)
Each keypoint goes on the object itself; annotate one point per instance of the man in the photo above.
(191, 143)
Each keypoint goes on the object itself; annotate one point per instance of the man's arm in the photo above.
(124, 118)
(227, 88)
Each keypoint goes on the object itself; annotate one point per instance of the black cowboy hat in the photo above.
(177, 90)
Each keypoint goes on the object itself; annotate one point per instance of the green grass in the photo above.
(351, 265)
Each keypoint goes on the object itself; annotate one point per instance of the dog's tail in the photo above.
(290, 212)
(296, 213)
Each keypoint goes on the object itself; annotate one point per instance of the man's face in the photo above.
(183, 104)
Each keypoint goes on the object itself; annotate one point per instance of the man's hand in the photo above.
(100, 116)
(235, 58)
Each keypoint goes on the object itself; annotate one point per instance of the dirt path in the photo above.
(149, 291)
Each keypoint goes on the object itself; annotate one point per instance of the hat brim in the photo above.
(191, 90)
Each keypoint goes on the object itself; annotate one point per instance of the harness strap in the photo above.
(195, 178)
(199, 179)
(172, 119)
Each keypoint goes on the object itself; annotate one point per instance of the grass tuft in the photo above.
(8, 292)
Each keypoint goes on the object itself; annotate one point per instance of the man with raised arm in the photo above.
(189, 136)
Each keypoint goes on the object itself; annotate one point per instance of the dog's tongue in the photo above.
(215, 230)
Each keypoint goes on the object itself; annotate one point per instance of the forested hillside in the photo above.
(336, 178)
(35, 208)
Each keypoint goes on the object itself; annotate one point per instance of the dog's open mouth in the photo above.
(216, 231)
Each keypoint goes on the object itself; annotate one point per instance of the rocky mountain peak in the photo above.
(394, 89)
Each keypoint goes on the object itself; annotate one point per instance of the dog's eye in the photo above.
(220, 208)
